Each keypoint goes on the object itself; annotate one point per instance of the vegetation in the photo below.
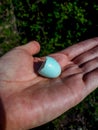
(9, 37)
(56, 24)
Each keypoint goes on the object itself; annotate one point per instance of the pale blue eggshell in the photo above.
(50, 68)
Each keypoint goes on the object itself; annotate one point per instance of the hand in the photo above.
(29, 100)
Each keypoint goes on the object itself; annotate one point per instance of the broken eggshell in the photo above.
(50, 68)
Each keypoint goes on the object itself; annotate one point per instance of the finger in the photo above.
(32, 47)
(90, 66)
(80, 48)
(87, 56)
(91, 81)
(70, 70)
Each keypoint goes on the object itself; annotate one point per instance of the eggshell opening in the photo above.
(42, 65)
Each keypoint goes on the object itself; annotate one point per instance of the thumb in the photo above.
(32, 47)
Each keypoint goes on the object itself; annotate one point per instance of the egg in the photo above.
(50, 68)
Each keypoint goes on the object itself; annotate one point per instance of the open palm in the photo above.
(30, 100)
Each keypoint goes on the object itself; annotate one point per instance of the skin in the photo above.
(28, 100)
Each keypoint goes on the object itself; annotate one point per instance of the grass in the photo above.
(9, 37)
